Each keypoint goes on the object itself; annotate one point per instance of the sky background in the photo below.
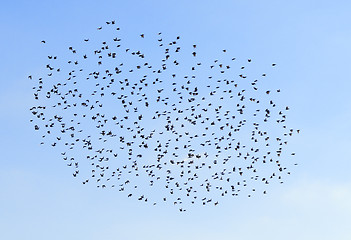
(309, 41)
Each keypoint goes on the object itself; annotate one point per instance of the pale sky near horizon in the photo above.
(308, 39)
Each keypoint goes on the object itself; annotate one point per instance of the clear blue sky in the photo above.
(309, 41)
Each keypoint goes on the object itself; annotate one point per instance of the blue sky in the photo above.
(309, 41)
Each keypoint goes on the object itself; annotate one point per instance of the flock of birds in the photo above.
(160, 125)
